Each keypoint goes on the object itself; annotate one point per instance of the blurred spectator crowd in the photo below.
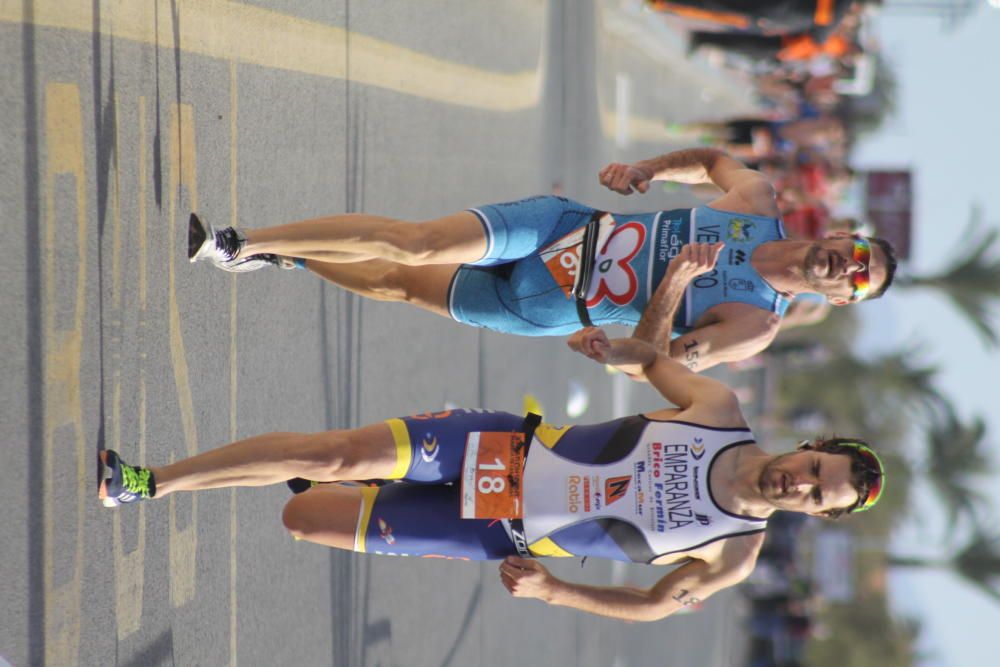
(815, 65)
(820, 83)
(783, 599)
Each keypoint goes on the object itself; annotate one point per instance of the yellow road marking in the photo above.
(137, 573)
(233, 154)
(142, 226)
(183, 172)
(254, 36)
(61, 361)
(129, 567)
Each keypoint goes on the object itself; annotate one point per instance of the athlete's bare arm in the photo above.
(746, 190)
(742, 332)
(707, 400)
(738, 332)
(687, 585)
(656, 324)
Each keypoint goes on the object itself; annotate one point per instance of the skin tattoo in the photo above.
(686, 600)
(691, 354)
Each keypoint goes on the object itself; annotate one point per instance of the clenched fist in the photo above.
(593, 343)
(623, 178)
(526, 578)
(694, 259)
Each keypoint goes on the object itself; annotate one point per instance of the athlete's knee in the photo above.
(296, 520)
(397, 284)
(299, 518)
(411, 242)
(323, 516)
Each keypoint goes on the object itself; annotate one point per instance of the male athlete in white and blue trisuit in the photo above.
(549, 265)
(683, 485)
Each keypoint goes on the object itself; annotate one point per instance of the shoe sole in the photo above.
(244, 265)
(102, 473)
(197, 238)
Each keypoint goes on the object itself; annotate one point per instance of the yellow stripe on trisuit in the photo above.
(368, 494)
(546, 547)
(549, 435)
(404, 452)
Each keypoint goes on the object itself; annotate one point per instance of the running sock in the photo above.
(152, 483)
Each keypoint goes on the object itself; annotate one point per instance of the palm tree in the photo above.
(865, 633)
(972, 280)
(956, 454)
(978, 563)
(857, 394)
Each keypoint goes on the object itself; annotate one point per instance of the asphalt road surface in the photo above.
(118, 119)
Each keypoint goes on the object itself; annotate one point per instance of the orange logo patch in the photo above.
(615, 488)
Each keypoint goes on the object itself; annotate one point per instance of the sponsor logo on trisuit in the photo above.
(615, 488)
(740, 229)
(698, 449)
(671, 488)
(573, 491)
(429, 448)
(614, 278)
(385, 530)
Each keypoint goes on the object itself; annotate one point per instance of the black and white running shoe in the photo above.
(222, 247)
(217, 245)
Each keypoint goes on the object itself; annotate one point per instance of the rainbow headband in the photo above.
(877, 471)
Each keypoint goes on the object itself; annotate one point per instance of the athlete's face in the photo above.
(830, 268)
(808, 481)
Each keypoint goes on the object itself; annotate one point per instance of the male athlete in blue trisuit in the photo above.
(549, 265)
(682, 485)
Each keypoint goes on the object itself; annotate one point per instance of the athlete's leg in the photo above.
(326, 514)
(420, 516)
(453, 239)
(423, 286)
(363, 453)
(402, 519)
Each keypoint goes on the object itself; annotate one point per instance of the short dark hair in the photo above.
(862, 475)
(890, 266)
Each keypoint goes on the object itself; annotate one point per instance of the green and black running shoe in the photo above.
(122, 483)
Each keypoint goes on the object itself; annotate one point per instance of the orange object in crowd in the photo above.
(803, 47)
(725, 18)
(824, 12)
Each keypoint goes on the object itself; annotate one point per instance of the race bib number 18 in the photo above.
(491, 475)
